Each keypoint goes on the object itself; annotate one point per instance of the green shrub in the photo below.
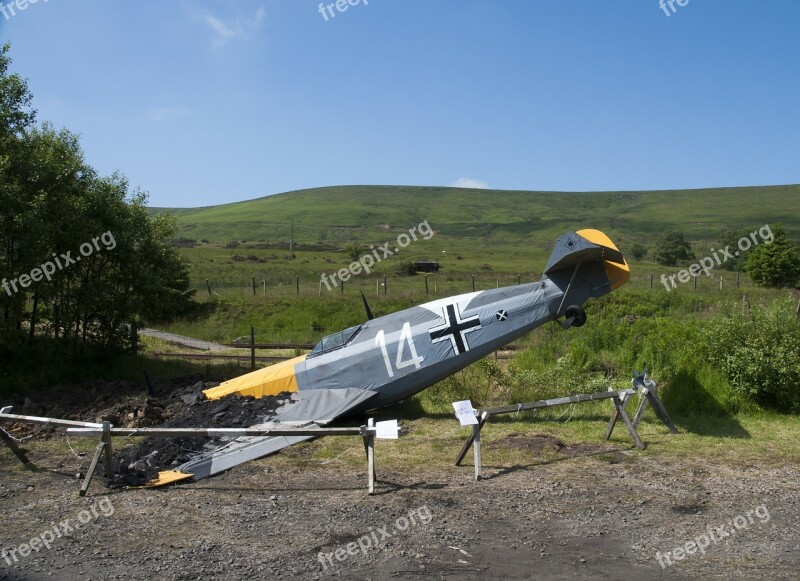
(759, 352)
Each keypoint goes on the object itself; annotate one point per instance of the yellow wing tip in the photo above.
(166, 477)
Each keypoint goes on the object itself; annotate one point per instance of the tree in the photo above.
(52, 203)
(671, 248)
(730, 240)
(16, 116)
(354, 251)
(638, 251)
(776, 264)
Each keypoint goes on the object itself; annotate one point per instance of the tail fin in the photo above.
(586, 264)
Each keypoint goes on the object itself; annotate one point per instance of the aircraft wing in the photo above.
(306, 408)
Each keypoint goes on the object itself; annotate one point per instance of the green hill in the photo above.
(335, 215)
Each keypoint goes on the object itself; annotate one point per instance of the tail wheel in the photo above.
(575, 315)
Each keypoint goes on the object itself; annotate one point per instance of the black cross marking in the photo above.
(455, 329)
(501, 315)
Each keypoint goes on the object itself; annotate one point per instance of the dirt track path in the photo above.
(189, 342)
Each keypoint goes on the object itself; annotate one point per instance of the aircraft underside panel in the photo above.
(315, 407)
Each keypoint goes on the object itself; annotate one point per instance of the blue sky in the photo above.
(207, 102)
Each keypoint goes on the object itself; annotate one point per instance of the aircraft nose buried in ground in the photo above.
(390, 358)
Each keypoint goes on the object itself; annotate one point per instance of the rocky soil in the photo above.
(583, 513)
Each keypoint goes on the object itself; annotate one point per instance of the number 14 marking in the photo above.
(405, 338)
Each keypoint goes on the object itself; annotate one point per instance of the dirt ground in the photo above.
(563, 512)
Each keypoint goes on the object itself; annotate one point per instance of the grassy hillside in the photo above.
(496, 235)
(336, 215)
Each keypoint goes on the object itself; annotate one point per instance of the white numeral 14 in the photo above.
(405, 338)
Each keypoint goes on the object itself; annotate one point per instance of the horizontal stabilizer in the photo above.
(582, 246)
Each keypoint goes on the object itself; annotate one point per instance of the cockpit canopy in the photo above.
(335, 341)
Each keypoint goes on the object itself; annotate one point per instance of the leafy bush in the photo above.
(759, 352)
(776, 264)
(672, 248)
(638, 251)
(663, 332)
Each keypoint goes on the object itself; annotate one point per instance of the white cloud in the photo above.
(167, 113)
(225, 30)
(470, 183)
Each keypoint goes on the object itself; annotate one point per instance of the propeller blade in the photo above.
(370, 316)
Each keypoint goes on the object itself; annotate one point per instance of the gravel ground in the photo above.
(587, 513)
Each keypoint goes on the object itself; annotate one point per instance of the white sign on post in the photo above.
(465, 412)
(388, 430)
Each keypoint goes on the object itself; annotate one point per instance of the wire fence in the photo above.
(440, 285)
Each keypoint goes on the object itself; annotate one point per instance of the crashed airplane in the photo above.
(390, 358)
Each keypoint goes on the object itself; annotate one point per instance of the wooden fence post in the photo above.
(371, 458)
(108, 451)
(252, 348)
(476, 447)
(5, 437)
(208, 286)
